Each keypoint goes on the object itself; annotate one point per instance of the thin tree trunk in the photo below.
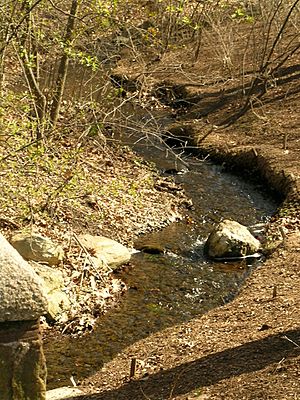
(2, 71)
(6, 20)
(30, 70)
(63, 66)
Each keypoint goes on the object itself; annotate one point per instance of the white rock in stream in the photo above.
(231, 239)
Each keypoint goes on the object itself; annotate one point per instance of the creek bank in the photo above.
(247, 154)
(260, 320)
(103, 255)
(176, 283)
(276, 169)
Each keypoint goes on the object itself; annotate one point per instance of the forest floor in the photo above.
(250, 347)
(247, 349)
(81, 181)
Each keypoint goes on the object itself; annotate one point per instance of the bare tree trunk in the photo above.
(39, 99)
(63, 66)
(270, 61)
(28, 41)
(6, 18)
(2, 71)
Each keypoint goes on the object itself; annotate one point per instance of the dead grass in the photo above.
(249, 348)
(80, 183)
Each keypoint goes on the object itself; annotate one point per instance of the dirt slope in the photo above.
(247, 349)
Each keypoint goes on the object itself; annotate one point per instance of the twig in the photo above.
(279, 364)
(19, 149)
(283, 234)
(73, 381)
(144, 394)
(10, 223)
(88, 255)
(290, 340)
(132, 368)
(16, 27)
(176, 381)
(285, 141)
(206, 135)
(56, 192)
(67, 326)
(61, 10)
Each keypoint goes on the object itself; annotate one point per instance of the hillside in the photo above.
(219, 77)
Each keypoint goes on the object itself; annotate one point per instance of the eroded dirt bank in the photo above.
(247, 349)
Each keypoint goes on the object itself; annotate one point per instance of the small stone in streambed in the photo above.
(151, 248)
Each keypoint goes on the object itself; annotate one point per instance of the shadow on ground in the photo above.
(206, 371)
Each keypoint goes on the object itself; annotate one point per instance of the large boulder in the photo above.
(21, 290)
(229, 239)
(23, 367)
(23, 364)
(53, 284)
(105, 251)
(37, 248)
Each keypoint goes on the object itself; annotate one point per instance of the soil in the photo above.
(247, 349)
(250, 347)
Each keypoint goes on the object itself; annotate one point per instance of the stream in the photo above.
(177, 285)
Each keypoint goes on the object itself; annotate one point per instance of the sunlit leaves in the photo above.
(240, 14)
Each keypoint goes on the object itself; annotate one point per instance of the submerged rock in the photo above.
(37, 248)
(151, 248)
(230, 239)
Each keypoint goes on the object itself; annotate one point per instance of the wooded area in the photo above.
(221, 76)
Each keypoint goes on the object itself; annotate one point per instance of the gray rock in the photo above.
(21, 293)
(37, 248)
(53, 284)
(231, 239)
(23, 365)
(106, 251)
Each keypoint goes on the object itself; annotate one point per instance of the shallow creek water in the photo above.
(173, 287)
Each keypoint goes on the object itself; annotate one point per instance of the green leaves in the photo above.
(240, 14)
(83, 58)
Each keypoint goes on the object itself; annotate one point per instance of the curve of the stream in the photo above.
(169, 288)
